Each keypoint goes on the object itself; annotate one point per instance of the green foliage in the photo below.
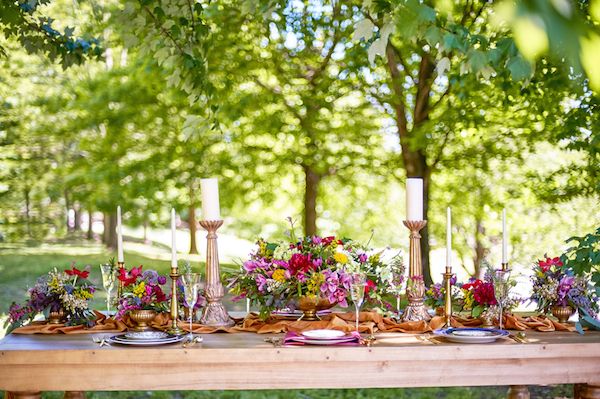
(584, 257)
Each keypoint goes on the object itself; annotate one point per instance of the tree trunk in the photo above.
(480, 249)
(192, 222)
(26, 192)
(90, 231)
(78, 212)
(311, 187)
(109, 236)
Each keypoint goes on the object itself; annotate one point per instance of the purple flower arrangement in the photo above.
(141, 290)
(69, 290)
(556, 285)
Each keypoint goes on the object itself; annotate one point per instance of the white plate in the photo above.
(146, 335)
(323, 341)
(471, 335)
(323, 334)
(119, 339)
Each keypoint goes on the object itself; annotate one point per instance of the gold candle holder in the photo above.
(120, 266)
(415, 311)
(174, 329)
(214, 313)
(505, 267)
(448, 296)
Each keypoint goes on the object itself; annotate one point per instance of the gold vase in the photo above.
(439, 311)
(486, 320)
(142, 319)
(57, 317)
(562, 313)
(310, 305)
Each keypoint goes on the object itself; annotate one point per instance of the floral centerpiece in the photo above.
(141, 291)
(435, 295)
(478, 296)
(67, 293)
(278, 274)
(557, 286)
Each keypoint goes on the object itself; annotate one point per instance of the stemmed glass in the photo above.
(357, 292)
(396, 287)
(108, 281)
(191, 286)
(500, 280)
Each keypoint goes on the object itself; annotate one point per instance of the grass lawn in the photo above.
(20, 265)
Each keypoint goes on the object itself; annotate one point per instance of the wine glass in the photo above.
(108, 281)
(191, 286)
(396, 287)
(357, 292)
(500, 281)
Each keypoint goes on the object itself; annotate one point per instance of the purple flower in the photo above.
(162, 280)
(261, 281)
(316, 240)
(362, 258)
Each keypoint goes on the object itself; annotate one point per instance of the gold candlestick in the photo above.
(415, 310)
(448, 296)
(214, 313)
(505, 267)
(121, 266)
(174, 329)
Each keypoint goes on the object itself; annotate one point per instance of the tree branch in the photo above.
(163, 30)
(438, 156)
(444, 94)
(404, 64)
(478, 14)
(398, 89)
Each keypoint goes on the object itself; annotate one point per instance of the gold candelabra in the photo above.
(448, 296)
(174, 329)
(214, 313)
(415, 310)
(121, 267)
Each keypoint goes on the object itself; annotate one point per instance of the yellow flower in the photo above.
(313, 284)
(140, 290)
(340, 258)
(279, 275)
(83, 294)
(54, 283)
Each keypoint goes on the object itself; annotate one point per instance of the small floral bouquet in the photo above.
(69, 291)
(478, 296)
(435, 294)
(278, 274)
(141, 291)
(556, 285)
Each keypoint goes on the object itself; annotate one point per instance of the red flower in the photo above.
(300, 264)
(76, 272)
(131, 277)
(327, 240)
(546, 264)
(370, 286)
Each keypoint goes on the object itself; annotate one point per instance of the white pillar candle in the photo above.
(119, 236)
(173, 240)
(448, 237)
(414, 199)
(210, 199)
(504, 238)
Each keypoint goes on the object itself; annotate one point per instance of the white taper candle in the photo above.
(448, 237)
(120, 257)
(504, 238)
(173, 240)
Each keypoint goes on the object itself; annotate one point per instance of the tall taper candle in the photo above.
(119, 236)
(210, 199)
(448, 237)
(173, 240)
(504, 238)
(414, 199)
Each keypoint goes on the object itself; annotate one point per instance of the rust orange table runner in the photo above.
(370, 322)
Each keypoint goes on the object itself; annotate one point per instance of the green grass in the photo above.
(21, 264)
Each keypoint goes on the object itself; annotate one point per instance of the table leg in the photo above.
(23, 395)
(74, 395)
(518, 392)
(586, 391)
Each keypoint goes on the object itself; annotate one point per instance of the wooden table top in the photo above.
(245, 361)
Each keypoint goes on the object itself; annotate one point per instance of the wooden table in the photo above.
(244, 361)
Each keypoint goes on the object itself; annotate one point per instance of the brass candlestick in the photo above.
(448, 296)
(121, 266)
(214, 313)
(415, 310)
(505, 267)
(174, 329)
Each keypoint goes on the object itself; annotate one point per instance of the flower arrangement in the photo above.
(478, 296)
(556, 285)
(277, 274)
(435, 294)
(141, 291)
(68, 290)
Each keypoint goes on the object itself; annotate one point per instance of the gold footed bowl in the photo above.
(57, 317)
(562, 313)
(310, 305)
(142, 319)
